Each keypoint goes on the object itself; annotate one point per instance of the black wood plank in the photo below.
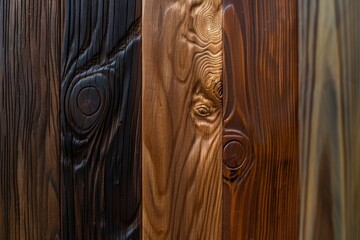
(100, 104)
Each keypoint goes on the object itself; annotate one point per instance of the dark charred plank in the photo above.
(100, 120)
(31, 35)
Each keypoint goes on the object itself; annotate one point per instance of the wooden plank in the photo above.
(329, 119)
(182, 95)
(101, 110)
(260, 133)
(30, 45)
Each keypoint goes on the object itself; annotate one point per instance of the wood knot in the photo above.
(237, 156)
(205, 109)
(86, 102)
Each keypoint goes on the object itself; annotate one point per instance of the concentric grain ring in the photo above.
(86, 102)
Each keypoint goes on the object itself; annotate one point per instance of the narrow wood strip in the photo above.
(182, 123)
(30, 46)
(329, 119)
(101, 110)
(260, 133)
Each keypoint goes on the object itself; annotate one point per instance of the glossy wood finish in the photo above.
(329, 117)
(260, 135)
(30, 48)
(101, 129)
(182, 94)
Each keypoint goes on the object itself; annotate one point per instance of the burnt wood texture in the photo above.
(260, 126)
(182, 119)
(329, 117)
(100, 120)
(30, 49)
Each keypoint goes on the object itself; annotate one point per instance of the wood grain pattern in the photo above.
(101, 109)
(329, 119)
(182, 98)
(260, 133)
(30, 47)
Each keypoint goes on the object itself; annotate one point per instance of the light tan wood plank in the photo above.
(329, 119)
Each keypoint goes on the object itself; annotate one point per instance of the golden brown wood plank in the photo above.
(260, 133)
(182, 120)
(329, 119)
(30, 48)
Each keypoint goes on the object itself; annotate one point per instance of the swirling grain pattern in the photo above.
(182, 122)
(329, 119)
(101, 109)
(31, 35)
(260, 144)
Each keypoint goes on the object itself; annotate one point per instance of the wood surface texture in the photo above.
(100, 120)
(182, 119)
(201, 119)
(260, 129)
(30, 49)
(329, 117)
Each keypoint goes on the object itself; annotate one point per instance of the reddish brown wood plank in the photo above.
(260, 139)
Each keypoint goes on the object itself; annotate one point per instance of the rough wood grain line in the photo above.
(260, 132)
(30, 48)
(101, 109)
(329, 119)
(182, 99)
